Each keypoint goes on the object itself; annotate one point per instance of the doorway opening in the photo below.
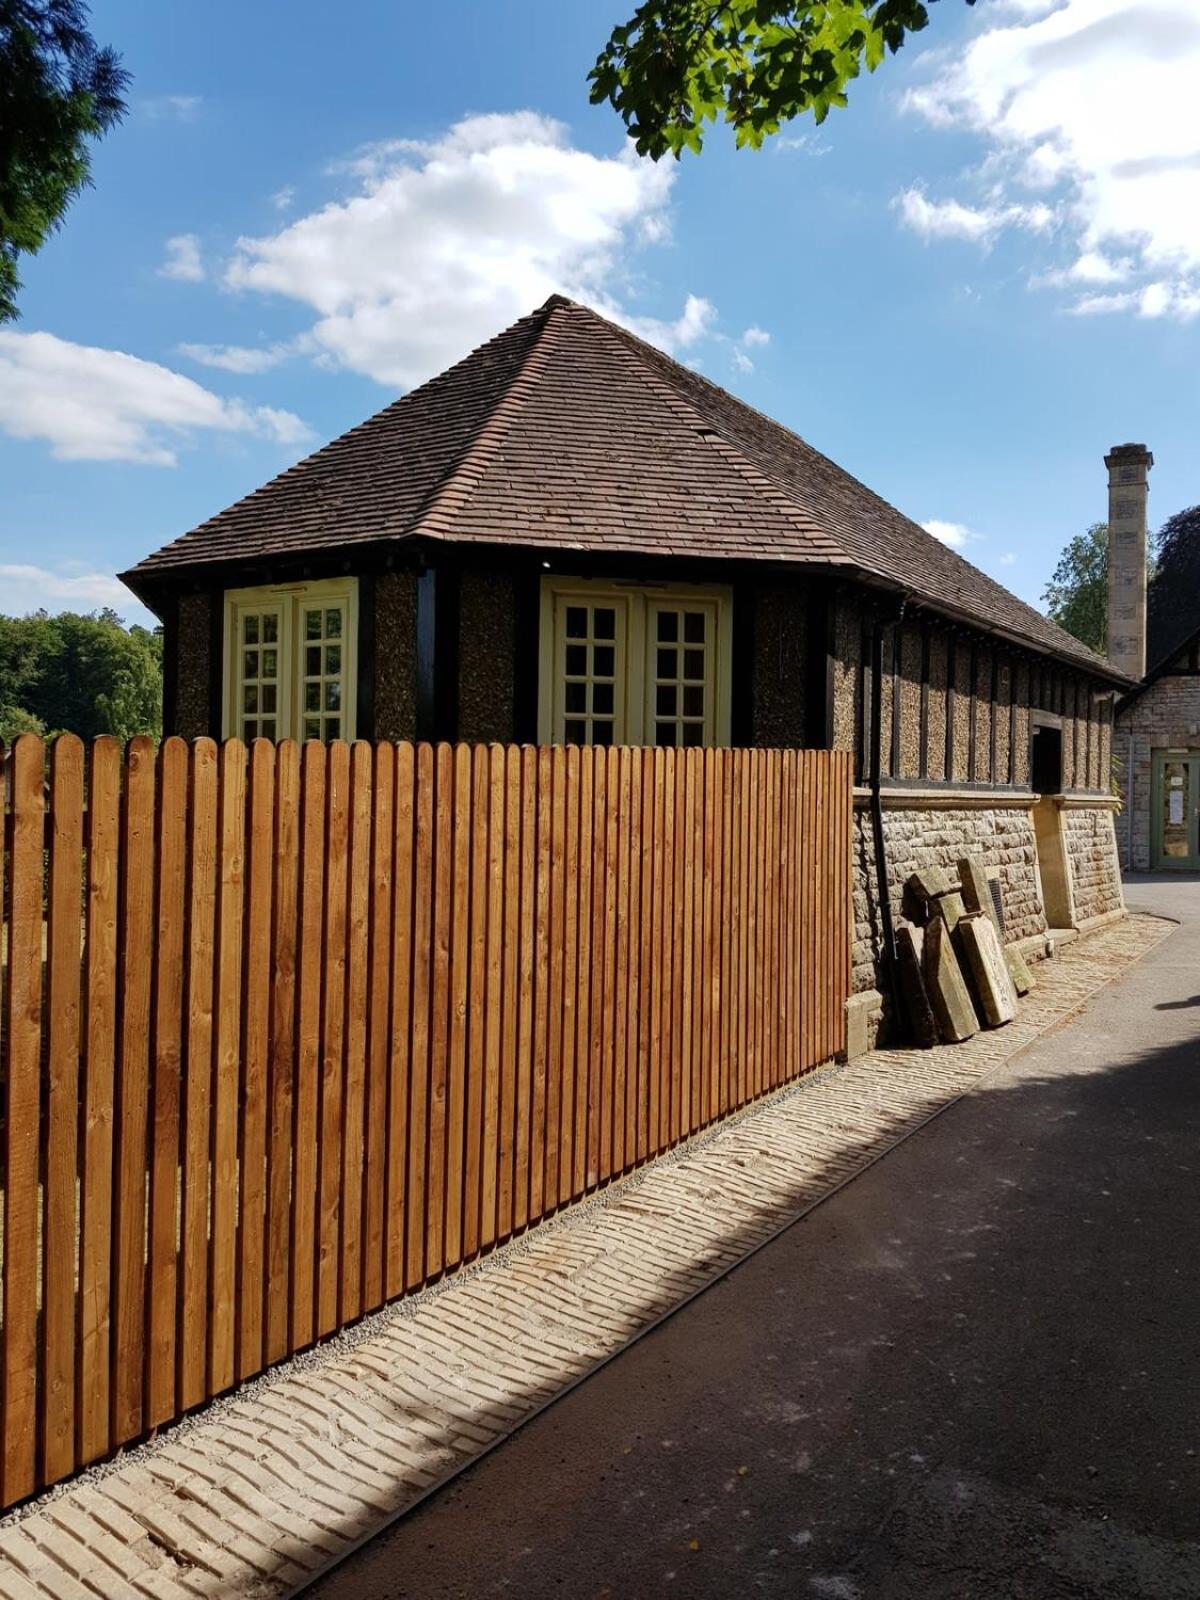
(1046, 780)
(1175, 811)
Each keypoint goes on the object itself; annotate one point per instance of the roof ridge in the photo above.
(731, 453)
(460, 483)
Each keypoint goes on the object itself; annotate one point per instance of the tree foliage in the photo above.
(1077, 595)
(79, 674)
(677, 65)
(58, 91)
(1174, 614)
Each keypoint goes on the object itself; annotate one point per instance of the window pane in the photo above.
(693, 733)
(333, 728)
(267, 727)
(250, 698)
(268, 697)
(250, 630)
(333, 658)
(667, 660)
(333, 697)
(312, 624)
(668, 627)
(270, 663)
(602, 733)
(312, 697)
(250, 664)
(312, 661)
(575, 732)
(693, 627)
(271, 629)
(665, 700)
(602, 699)
(576, 697)
(576, 660)
(577, 622)
(333, 624)
(664, 733)
(312, 727)
(247, 731)
(603, 658)
(693, 664)
(693, 700)
(604, 623)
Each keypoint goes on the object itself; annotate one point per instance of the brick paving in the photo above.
(258, 1493)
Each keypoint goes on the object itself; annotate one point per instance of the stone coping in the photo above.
(980, 800)
(258, 1493)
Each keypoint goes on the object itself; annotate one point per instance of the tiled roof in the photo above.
(566, 432)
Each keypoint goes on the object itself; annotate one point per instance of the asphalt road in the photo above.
(975, 1372)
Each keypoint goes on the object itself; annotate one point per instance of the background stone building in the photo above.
(568, 537)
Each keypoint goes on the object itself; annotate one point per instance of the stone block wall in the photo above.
(1166, 716)
(1092, 857)
(1002, 836)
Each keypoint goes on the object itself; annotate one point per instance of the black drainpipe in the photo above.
(883, 620)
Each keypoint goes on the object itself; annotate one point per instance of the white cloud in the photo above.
(955, 534)
(1091, 109)
(444, 241)
(91, 404)
(172, 107)
(183, 259)
(756, 336)
(741, 361)
(950, 219)
(1008, 559)
(242, 359)
(284, 198)
(29, 588)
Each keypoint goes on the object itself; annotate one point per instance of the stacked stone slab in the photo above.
(983, 958)
(952, 1005)
(977, 897)
(914, 994)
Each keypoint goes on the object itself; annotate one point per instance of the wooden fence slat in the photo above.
(555, 915)
(596, 981)
(256, 1024)
(476, 1003)
(402, 1025)
(192, 1337)
(62, 1109)
(620, 960)
(380, 944)
(527, 961)
(565, 1186)
(492, 1031)
(306, 1094)
(18, 1405)
(170, 934)
(231, 883)
(422, 968)
(354, 1106)
(132, 1090)
(330, 1152)
(440, 1001)
(95, 1179)
(285, 898)
(541, 991)
(582, 1052)
(456, 1039)
(509, 1068)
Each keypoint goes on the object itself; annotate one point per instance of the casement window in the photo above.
(290, 655)
(623, 664)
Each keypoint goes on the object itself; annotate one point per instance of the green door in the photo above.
(1175, 810)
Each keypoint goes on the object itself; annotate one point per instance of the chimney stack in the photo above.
(1128, 486)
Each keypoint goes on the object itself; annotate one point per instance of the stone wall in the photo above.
(396, 655)
(487, 649)
(1092, 858)
(193, 683)
(922, 834)
(1166, 716)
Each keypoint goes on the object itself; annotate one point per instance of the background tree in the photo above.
(1174, 613)
(1077, 594)
(58, 91)
(79, 674)
(755, 64)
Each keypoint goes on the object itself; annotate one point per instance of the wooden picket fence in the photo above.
(292, 1030)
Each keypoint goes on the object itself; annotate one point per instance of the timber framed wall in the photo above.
(289, 1031)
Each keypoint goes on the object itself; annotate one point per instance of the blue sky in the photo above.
(964, 289)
